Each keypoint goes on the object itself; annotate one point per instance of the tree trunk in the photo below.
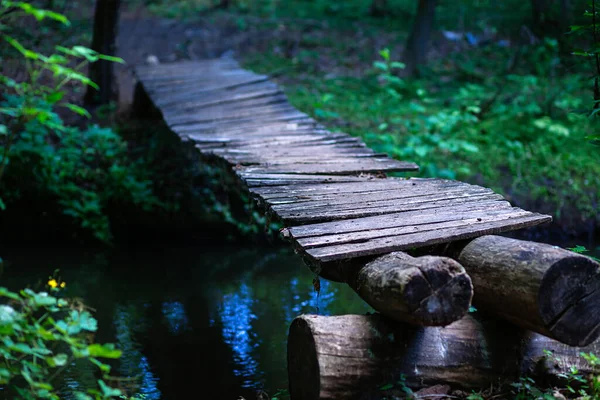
(418, 41)
(538, 9)
(378, 8)
(106, 19)
(351, 356)
(429, 290)
(565, 15)
(537, 286)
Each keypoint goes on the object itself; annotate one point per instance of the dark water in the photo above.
(205, 321)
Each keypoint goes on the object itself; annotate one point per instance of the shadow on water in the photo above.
(212, 322)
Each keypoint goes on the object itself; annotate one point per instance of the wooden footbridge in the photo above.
(341, 212)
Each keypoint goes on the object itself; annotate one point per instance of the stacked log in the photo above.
(350, 356)
(551, 295)
(424, 291)
(539, 287)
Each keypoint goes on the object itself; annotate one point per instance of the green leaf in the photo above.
(397, 64)
(37, 13)
(387, 387)
(578, 249)
(103, 367)
(385, 54)
(42, 299)
(108, 391)
(78, 110)
(111, 58)
(380, 65)
(104, 350)
(54, 97)
(84, 320)
(3, 130)
(25, 52)
(58, 360)
(4, 292)
(8, 315)
(469, 147)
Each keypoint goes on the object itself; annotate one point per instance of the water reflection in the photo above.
(236, 318)
(190, 320)
(174, 313)
(133, 363)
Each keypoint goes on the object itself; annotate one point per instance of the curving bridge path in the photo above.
(328, 188)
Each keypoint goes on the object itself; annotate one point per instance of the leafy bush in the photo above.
(81, 170)
(42, 335)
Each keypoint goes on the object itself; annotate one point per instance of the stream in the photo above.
(211, 321)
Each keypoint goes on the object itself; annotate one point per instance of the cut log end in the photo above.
(568, 299)
(303, 364)
(448, 293)
(429, 291)
(540, 287)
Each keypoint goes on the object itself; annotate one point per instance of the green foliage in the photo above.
(42, 335)
(592, 31)
(387, 74)
(81, 170)
(581, 250)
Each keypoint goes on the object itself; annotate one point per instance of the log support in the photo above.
(425, 291)
(539, 287)
(351, 356)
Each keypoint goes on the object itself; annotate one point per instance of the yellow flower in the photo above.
(52, 283)
(63, 284)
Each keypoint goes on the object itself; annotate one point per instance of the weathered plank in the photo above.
(420, 239)
(333, 213)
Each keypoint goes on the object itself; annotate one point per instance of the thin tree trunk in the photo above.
(538, 9)
(106, 19)
(565, 15)
(418, 41)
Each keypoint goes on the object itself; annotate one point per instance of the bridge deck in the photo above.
(327, 187)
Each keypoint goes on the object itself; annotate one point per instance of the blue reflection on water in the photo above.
(176, 317)
(320, 301)
(133, 363)
(236, 318)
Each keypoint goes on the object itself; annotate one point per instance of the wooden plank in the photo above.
(265, 113)
(366, 165)
(247, 124)
(371, 184)
(403, 242)
(231, 106)
(273, 116)
(223, 98)
(169, 93)
(257, 181)
(358, 192)
(392, 220)
(372, 199)
(336, 213)
(411, 226)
